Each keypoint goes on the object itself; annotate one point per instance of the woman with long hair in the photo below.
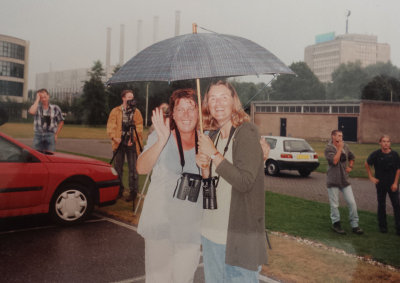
(233, 234)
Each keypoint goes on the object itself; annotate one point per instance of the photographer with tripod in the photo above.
(125, 128)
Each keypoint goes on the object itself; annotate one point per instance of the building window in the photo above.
(11, 88)
(10, 69)
(11, 50)
(335, 109)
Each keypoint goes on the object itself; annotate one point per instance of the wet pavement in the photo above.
(101, 249)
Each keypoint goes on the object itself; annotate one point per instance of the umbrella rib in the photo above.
(238, 51)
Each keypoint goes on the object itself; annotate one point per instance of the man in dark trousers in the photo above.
(340, 163)
(386, 163)
(124, 122)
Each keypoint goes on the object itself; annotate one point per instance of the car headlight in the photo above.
(114, 171)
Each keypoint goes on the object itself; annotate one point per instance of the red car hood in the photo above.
(58, 157)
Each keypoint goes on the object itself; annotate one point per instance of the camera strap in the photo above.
(231, 133)
(180, 148)
(181, 155)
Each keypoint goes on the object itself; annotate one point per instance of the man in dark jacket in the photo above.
(387, 170)
(340, 161)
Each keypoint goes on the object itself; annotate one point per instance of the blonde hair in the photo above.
(238, 114)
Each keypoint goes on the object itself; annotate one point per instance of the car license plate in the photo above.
(303, 156)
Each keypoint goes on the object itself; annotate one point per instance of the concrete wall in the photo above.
(378, 118)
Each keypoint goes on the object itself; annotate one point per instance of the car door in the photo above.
(23, 179)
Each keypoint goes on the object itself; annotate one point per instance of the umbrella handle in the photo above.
(199, 103)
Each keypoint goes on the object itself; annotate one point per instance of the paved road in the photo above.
(32, 249)
(289, 182)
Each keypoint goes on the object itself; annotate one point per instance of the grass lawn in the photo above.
(25, 130)
(361, 151)
(310, 219)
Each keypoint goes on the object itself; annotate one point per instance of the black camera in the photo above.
(210, 193)
(188, 186)
(343, 157)
(131, 105)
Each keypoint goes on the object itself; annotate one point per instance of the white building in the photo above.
(329, 52)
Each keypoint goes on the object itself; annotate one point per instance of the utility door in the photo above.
(348, 126)
(283, 127)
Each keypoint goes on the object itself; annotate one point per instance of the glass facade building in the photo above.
(14, 53)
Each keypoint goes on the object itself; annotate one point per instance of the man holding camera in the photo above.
(340, 164)
(48, 121)
(125, 128)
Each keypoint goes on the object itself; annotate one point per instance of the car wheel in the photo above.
(271, 168)
(71, 203)
(304, 172)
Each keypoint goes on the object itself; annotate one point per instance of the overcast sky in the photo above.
(69, 34)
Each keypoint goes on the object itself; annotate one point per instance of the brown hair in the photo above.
(334, 132)
(178, 94)
(125, 91)
(384, 136)
(43, 90)
(238, 114)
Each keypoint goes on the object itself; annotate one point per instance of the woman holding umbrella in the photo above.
(171, 226)
(233, 235)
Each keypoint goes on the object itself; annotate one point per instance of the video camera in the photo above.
(131, 105)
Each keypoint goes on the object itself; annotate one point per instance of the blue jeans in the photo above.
(44, 141)
(333, 194)
(217, 271)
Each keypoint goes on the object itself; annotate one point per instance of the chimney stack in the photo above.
(177, 22)
(139, 36)
(155, 28)
(121, 44)
(108, 52)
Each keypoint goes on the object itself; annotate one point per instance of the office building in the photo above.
(330, 51)
(14, 58)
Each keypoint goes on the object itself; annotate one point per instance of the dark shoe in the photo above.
(383, 230)
(337, 228)
(131, 197)
(357, 230)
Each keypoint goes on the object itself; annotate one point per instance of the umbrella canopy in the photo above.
(199, 55)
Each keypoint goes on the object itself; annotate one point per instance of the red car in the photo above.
(64, 185)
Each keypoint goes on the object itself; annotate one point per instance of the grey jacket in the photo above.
(246, 242)
(336, 175)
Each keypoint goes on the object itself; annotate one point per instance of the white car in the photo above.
(290, 154)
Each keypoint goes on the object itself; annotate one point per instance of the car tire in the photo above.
(71, 203)
(304, 172)
(271, 168)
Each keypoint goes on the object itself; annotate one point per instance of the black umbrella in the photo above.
(199, 55)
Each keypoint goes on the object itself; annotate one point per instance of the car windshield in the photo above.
(297, 146)
(271, 142)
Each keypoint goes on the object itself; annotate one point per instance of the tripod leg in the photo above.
(269, 243)
(141, 194)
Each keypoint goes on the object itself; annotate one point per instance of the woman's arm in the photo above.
(148, 158)
(248, 157)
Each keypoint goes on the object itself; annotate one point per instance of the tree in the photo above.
(303, 86)
(94, 97)
(348, 80)
(382, 88)
(385, 69)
